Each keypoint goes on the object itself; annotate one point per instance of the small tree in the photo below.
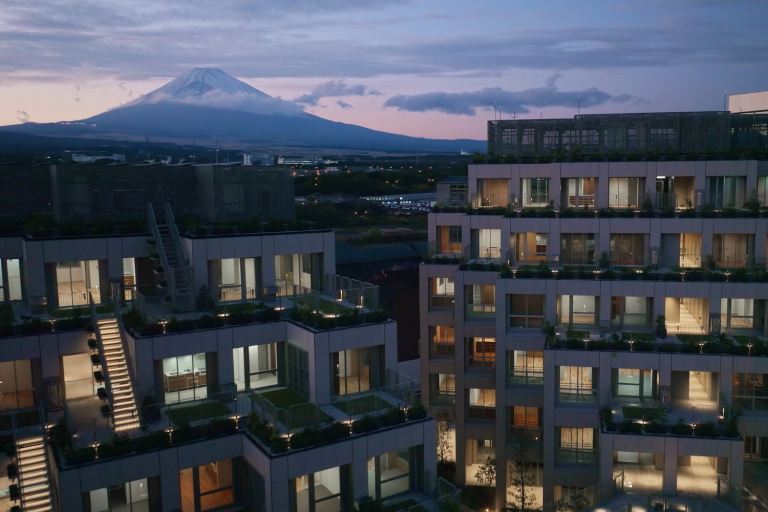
(521, 476)
(444, 441)
(487, 473)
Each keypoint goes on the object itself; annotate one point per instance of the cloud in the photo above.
(333, 89)
(467, 103)
(343, 104)
(22, 116)
(241, 102)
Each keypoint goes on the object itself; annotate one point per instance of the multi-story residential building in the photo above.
(160, 372)
(588, 321)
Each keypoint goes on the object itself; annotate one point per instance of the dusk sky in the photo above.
(420, 67)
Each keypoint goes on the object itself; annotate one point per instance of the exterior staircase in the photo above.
(178, 273)
(115, 365)
(34, 486)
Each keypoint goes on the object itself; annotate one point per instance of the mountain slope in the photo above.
(206, 102)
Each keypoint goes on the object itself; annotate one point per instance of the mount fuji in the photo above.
(206, 101)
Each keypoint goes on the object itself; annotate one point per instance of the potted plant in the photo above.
(102, 393)
(154, 255)
(98, 376)
(96, 359)
(151, 243)
(159, 269)
(92, 344)
(661, 327)
(162, 284)
(106, 410)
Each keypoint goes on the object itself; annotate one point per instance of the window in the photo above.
(535, 192)
(320, 491)
(627, 249)
(458, 192)
(730, 250)
(526, 311)
(481, 300)
(493, 191)
(207, 487)
(748, 391)
(634, 382)
(127, 497)
(626, 192)
(352, 370)
(579, 192)
(525, 416)
(726, 191)
(526, 367)
(745, 314)
(185, 378)
(298, 273)
(577, 384)
(762, 190)
(576, 445)
(75, 280)
(480, 451)
(297, 370)
(17, 388)
(255, 366)
(442, 292)
(481, 352)
(531, 247)
(238, 277)
(487, 242)
(442, 389)
(442, 340)
(389, 474)
(482, 404)
(577, 248)
(631, 311)
(579, 310)
(10, 280)
(450, 239)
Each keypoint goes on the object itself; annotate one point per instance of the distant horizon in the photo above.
(413, 67)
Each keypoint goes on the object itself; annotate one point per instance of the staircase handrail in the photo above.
(180, 248)
(152, 221)
(49, 464)
(100, 349)
(126, 352)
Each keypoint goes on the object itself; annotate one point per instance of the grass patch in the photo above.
(285, 397)
(400, 505)
(361, 405)
(328, 307)
(638, 336)
(641, 413)
(693, 338)
(188, 413)
(745, 340)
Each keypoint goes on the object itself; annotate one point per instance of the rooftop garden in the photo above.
(59, 320)
(616, 156)
(657, 341)
(653, 421)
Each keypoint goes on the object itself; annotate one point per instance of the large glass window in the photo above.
(487, 242)
(481, 404)
(627, 249)
(493, 191)
(442, 387)
(207, 487)
(441, 291)
(526, 367)
(17, 390)
(297, 370)
(579, 192)
(577, 248)
(726, 191)
(729, 250)
(577, 384)
(631, 311)
(634, 382)
(449, 238)
(481, 300)
(185, 378)
(626, 192)
(127, 497)
(298, 273)
(526, 310)
(442, 340)
(75, 280)
(255, 366)
(535, 192)
(578, 310)
(389, 474)
(576, 445)
(78, 376)
(748, 391)
(352, 370)
(10, 280)
(522, 416)
(319, 492)
(744, 314)
(481, 352)
(531, 247)
(238, 278)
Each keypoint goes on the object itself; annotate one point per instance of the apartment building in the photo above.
(596, 326)
(159, 372)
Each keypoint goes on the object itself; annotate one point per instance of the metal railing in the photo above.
(70, 299)
(445, 494)
(587, 498)
(181, 250)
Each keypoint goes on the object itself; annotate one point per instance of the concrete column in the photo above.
(360, 478)
(169, 480)
(604, 238)
(602, 186)
(604, 393)
(670, 465)
(548, 429)
(707, 230)
(606, 460)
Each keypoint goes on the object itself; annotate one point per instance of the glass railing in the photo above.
(482, 310)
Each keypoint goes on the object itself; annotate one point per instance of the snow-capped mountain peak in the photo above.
(214, 88)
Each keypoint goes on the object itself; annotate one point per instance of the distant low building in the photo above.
(80, 158)
(402, 199)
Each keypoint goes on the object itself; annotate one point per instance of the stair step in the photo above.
(31, 505)
(33, 475)
(26, 467)
(29, 441)
(35, 481)
(38, 459)
(36, 493)
(30, 448)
